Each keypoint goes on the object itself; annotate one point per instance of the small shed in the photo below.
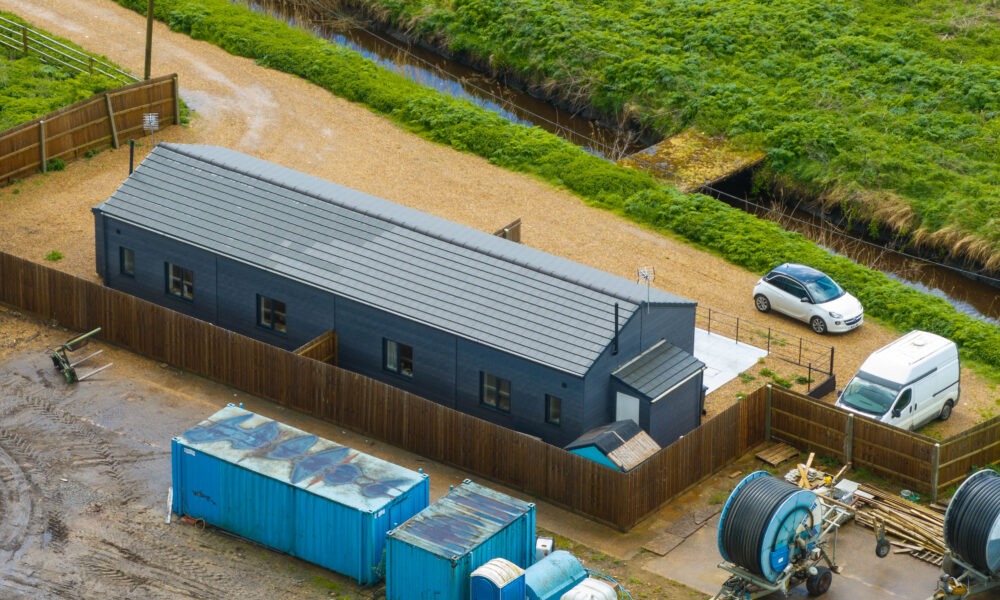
(293, 491)
(648, 388)
(621, 445)
(434, 554)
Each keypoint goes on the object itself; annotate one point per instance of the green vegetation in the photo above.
(54, 255)
(738, 237)
(889, 108)
(30, 88)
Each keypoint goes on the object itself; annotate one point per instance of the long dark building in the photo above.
(484, 325)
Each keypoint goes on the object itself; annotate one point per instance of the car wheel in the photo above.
(762, 303)
(818, 324)
(946, 410)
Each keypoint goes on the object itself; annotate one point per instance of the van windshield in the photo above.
(868, 396)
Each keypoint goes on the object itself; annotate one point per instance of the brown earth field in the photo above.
(85, 469)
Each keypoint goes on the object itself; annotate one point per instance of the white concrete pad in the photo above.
(724, 357)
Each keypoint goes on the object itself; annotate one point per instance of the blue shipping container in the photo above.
(433, 555)
(293, 491)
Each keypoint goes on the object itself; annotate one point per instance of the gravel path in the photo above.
(283, 119)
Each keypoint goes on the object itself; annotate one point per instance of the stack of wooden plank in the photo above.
(910, 527)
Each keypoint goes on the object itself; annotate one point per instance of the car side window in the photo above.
(904, 399)
(792, 287)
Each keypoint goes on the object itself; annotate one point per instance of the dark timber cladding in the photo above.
(492, 328)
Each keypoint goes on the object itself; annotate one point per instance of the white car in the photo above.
(808, 295)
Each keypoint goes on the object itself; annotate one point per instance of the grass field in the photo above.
(29, 88)
(886, 108)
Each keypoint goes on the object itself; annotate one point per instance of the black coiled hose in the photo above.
(750, 511)
(971, 517)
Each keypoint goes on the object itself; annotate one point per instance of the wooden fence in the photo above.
(908, 458)
(487, 450)
(101, 121)
(379, 410)
(24, 39)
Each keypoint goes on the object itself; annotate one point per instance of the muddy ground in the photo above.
(85, 470)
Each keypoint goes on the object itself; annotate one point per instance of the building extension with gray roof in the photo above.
(493, 328)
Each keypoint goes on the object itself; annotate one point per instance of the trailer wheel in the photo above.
(819, 584)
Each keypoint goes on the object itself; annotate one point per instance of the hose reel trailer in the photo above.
(972, 538)
(773, 535)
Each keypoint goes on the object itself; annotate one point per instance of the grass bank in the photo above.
(738, 237)
(887, 109)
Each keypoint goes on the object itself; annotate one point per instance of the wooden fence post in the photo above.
(849, 440)
(111, 120)
(935, 466)
(767, 413)
(41, 145)
(177, 101)
(24, 38)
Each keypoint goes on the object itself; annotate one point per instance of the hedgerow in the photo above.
(732, 234)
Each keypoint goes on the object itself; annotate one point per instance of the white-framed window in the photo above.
(495, 392)
(127, 261)
(553, 409)
(398, 357)
(271, 314)
(180, 282)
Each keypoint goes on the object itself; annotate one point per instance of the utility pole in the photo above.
(149, 37)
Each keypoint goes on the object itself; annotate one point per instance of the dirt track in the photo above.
(84, 471)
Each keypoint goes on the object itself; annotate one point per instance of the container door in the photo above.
(199, 485)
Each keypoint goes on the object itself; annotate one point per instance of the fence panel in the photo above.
(99, 122)
(807, 423)
(968, 451)
(894, 453)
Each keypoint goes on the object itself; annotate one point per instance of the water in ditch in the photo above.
(975, 298)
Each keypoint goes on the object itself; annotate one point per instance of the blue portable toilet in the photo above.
(293, 491)
(432, 556)
(498, 579)
(553, 576)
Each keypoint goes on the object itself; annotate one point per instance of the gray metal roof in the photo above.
(460, 521)
(467, 282)
(659, 369)
(302, 460)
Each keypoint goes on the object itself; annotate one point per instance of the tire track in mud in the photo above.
(66, 491)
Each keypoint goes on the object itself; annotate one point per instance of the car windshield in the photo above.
(823, 289)
(868, 396)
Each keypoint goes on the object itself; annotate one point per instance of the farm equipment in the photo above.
(971, 564)
(774, 535)
(65, 365)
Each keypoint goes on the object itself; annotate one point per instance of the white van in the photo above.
(908, 383)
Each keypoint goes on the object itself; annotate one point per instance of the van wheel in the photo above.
(946, 410)
(818, 325)
(762, 303)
